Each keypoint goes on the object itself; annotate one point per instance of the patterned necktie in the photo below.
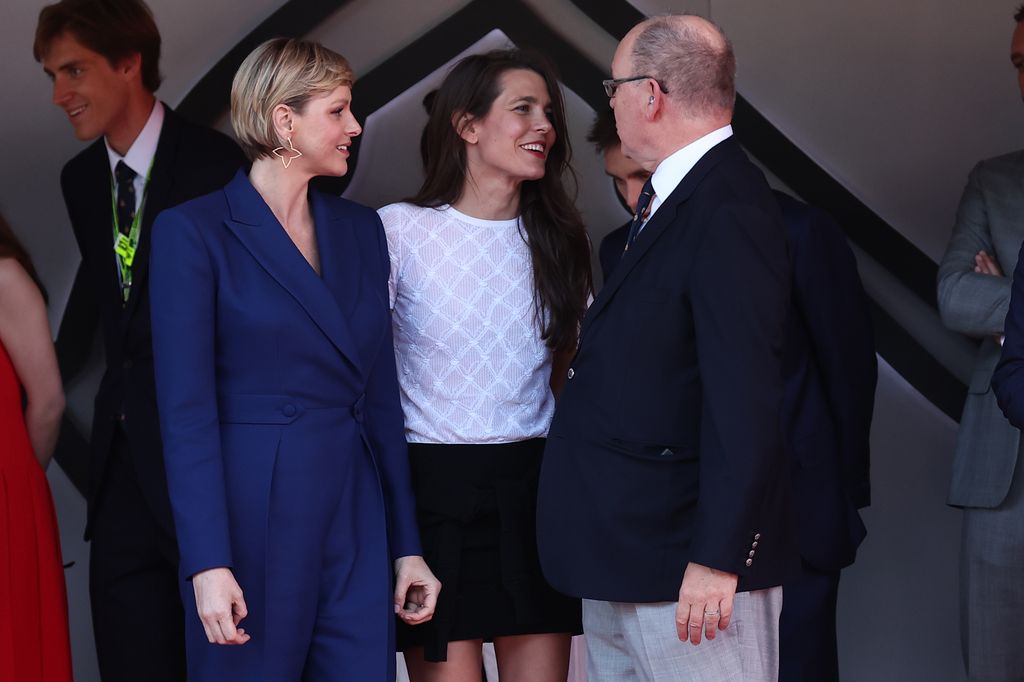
(646, 194)
(125, 178)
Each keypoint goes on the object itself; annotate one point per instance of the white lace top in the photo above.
(471, 365)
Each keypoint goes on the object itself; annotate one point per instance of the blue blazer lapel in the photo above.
(339, 261)
(255, 226)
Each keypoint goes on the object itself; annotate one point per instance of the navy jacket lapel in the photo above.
(664, 217)
(262, 235)
(158, 194)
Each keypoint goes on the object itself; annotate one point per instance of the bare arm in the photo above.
(25, 333)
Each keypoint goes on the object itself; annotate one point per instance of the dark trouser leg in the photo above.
(807, 647)
(133, 584)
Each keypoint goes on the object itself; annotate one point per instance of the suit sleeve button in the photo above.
(749, 562)
(571, 373)
(751, 554)
(757, 536)
(288, 410)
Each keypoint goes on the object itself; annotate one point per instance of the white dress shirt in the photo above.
(674, 168)
(140, 155)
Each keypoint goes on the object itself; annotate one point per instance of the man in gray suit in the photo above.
(974, 295)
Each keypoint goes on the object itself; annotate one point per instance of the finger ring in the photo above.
(710, 613)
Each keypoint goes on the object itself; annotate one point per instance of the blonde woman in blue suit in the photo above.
(283, 435)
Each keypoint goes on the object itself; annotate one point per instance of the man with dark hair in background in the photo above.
(103, 58)
(627, 175)
(988, 479)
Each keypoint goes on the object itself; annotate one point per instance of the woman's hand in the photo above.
(220, 605)
(416, 590)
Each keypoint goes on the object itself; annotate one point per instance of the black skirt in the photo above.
(476, 507)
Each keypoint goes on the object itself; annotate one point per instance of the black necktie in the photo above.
(125, 178)
(646, 194)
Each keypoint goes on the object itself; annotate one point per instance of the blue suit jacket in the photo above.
(830, 374)
(254, 351)
(666, 446)
(1008, 378)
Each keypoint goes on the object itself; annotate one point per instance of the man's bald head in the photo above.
(691, 58)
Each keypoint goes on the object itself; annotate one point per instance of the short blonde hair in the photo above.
(280, 71)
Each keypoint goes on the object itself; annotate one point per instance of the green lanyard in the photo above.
(125, 245)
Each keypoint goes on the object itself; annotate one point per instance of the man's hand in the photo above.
(705, 602)
(220, 605)
(987, 265)
(416, 590)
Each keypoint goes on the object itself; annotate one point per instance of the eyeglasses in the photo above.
(612, 84)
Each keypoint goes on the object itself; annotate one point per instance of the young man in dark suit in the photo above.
(103, 58)
(664, 493)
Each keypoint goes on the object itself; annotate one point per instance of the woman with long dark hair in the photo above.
(34, 617)
(490, 275)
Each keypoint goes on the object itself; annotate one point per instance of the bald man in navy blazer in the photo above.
(664, 493)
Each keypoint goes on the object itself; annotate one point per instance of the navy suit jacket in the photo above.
(1008, 378)
(190, 161)
(666, 445)
(609, 253)
(830, 374)
(258, 358)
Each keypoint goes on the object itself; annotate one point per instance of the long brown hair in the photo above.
(10, 247)
(559, 247)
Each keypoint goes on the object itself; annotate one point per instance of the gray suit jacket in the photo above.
(990, 218)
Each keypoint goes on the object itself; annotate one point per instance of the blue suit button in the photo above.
(288, 410)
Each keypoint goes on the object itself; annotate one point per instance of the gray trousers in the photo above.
(638, 643)
(992, 587)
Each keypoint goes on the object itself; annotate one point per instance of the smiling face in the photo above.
(324, 131)
(515, 137)
(92, 92)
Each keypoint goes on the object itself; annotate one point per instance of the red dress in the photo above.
(33, 604)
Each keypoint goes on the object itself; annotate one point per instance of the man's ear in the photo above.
(655, 101)
(465, 126)
(130, 66)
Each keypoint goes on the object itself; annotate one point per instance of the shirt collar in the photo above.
(140, 154)
(674, 168)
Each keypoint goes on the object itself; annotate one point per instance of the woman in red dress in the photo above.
(33, 605)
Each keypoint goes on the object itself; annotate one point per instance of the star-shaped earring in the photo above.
(287, 154)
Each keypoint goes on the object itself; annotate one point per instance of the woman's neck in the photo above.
(489, 198)
(284, 189)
